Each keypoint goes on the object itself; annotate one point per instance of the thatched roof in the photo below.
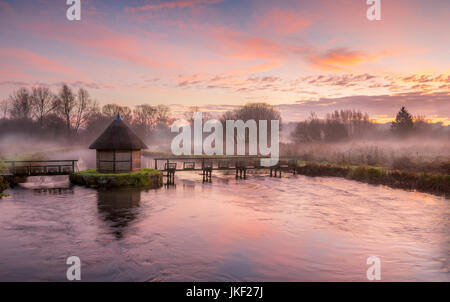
(118, 136)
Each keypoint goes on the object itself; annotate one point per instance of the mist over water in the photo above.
(295, 229)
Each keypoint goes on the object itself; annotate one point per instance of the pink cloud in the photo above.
(98, 38)
(284, 22)
(173, 4)
(33, 60)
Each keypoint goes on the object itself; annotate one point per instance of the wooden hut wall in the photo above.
(123, 161)
(136, 160)
(118, 161)
(105, 161)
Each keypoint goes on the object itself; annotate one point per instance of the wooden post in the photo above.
(131, 161)
(114, 161)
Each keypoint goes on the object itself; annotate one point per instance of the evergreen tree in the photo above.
(403, 123)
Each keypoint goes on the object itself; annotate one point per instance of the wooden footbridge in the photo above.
(205, 165)
(39, 167)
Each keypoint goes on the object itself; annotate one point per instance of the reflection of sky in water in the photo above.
(270, 229)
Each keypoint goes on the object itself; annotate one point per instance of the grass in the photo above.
(426, 156)
(141, 178)
(3, 183)
(435, 183)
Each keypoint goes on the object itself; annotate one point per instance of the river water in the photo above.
(295, 228)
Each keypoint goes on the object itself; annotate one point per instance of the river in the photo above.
(295, 228)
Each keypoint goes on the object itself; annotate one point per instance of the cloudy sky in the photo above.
(302, 56)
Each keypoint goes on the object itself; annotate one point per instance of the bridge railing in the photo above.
(207, 162)
(40, 167)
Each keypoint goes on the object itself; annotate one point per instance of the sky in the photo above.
(302, 56)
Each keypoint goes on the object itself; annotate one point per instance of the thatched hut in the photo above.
(118, 148)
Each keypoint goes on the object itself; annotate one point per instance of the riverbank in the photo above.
(148, 178)
(438, 184)
(3, 186)
(3, 183)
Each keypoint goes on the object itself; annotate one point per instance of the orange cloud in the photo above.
(339, 58)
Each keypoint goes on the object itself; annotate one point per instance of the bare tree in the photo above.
(84, 108)
(4, 108)
(111, 110)
(43, 102)
(144, 118)
(163, 115)
(189, 115)
(253, 111)
(21, 104)
(66, 102)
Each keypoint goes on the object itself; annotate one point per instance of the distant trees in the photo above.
(65, 105)
(252, 111)
(74, 109)
(111, 110)
(21, 104)
(74, 115)
(4, 108)
(146, 118)
(84, 108)
(163, 115)
(43, 103)
(403, 123)
(41, 106)
(337, 126)
(309, 130)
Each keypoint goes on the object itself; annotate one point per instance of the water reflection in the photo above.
(259, 229)
(119, 208)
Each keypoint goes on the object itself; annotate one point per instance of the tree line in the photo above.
(342, 125)
(72, 115)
